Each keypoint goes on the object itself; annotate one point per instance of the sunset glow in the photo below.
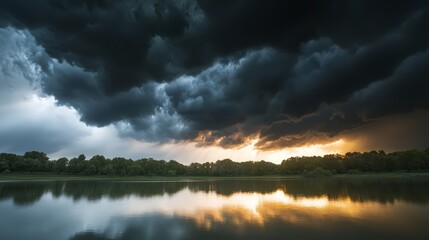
(250, 153)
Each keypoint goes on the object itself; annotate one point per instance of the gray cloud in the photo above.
(30, 120)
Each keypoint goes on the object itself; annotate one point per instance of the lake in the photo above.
(327, 208)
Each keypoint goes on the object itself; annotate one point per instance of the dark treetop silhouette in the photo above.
(413, 160)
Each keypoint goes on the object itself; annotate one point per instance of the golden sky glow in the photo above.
(189, 152)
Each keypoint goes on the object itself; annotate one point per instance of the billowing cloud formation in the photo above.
(28, 119)
(287, 73)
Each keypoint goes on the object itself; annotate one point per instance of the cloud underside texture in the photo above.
(288, 73)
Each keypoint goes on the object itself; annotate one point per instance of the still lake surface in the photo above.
(347, 208)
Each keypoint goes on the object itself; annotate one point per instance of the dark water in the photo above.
(396, 208)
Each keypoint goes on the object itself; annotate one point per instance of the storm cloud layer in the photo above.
(227, 72)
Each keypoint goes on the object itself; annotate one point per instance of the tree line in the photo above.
(354, 162)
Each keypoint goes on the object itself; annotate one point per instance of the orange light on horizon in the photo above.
(188, 152)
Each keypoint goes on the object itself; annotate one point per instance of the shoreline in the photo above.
(67, 177)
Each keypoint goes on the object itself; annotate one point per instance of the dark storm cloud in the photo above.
(404, 92)
(112, 38)
(77, 88)
(227, 94)
(224, 72)
(328, 73)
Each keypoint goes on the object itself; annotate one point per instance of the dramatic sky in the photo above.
(200, 80)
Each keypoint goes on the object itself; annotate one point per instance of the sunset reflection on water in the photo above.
(238, 209)
(233, 209)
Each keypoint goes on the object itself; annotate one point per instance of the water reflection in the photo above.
(241, 209)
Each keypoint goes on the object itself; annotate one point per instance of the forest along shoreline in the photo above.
(37, 165)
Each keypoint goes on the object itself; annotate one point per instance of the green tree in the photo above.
(60, 165)
(39, 161)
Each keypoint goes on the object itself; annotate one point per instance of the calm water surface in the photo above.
(394, 208)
